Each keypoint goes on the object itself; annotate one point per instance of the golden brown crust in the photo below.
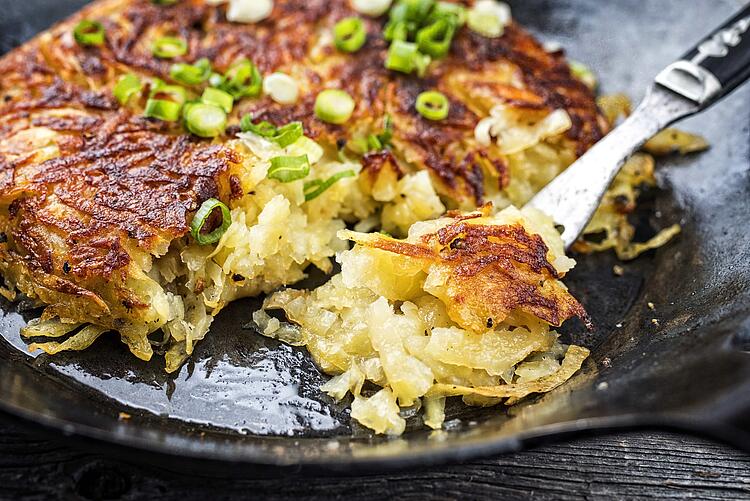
(293, 40)
(490, 272)
(89, 184)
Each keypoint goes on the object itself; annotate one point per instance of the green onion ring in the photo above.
(263, 129)
(349, 35)
(433, 105)
(406, 58)
(396, 30)
(334, 106)
(435, 39)
(313, 189)
(243, 79)
(288, 134)
(89, 32)
(191, 74)
(454, 12)
(417, 10)
(165, 2)
(218, 97)
(283, 136)
(205, 120)
(163, 109)
(127, 86)
(288, 169)
(169, 47)
(204, 216)
(175, 93)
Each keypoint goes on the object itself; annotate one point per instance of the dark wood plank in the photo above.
(621, 466)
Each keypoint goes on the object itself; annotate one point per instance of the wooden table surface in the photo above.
(634, 465)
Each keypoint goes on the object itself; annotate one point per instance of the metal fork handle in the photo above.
(573, 197)
(704, 75)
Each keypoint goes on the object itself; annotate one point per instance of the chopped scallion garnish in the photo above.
(281, 87)
(433, 105)
(489, 18)
(160, 90)
(313, 189)
(163, 109)
(218, 97)
(205, 120)
(406, 58)
(283, 136)
(435, 39)
(169, 47)
(207, 218)
(191, 74)
(89, 32)
(334, 106)
(288, 169)
(454, 12)
(396, 30)
(127, 86)
(349, 35)
(372, 8)
(242, 80)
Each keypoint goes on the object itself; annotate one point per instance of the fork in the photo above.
(702, 77)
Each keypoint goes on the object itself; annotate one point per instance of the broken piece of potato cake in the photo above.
(466, 305)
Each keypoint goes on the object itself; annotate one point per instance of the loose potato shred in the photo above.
(574, 358)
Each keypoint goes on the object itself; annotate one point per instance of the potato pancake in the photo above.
(159, 159)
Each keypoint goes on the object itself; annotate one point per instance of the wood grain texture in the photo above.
(622, 466)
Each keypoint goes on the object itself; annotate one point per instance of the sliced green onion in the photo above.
(372, 8)
(288, 134)
(175, 93)
(281, 87)
(454, 12)
(187, 106)
(242, 80)
(433, 105)
(127, 86)
(216, 80)
(169, 47)
(374, 143)
(205, 120)
(415, 10)
(163, 109)
(218, 97)
(283, 136)
(208, 215)
(191, 74)
(288, 169)
(489, 18)
(263, 129)
(334, 106)
(349, 35)
(89, 32)
(396, 30)
(435, 39)
(406, 58)
(165, 2)
(313, 189)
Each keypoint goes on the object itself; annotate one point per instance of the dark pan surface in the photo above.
(244, 398)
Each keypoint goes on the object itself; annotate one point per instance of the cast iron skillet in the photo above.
(245, 399)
